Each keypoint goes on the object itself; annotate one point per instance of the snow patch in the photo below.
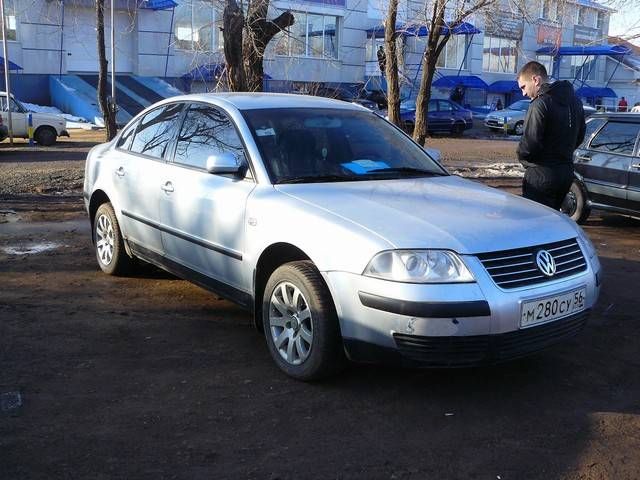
(511, 170)
(30, 249)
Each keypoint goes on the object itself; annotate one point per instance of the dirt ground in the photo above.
(151, 377)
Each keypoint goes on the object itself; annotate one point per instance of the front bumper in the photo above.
(439, 325)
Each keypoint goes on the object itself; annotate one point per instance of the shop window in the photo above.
(600, 20)
(311, 35)
(197, 26)
(499, 54)
(583, 67)
(547, 61)
(452, 56)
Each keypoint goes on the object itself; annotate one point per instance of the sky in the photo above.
(626, 22)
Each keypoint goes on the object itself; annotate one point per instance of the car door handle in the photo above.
(635, 165)
(120, 172)
(167, 187)
(583, 158)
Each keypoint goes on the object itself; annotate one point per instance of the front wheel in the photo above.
(109, 244)
(575, 203)
(458, 129)
(45, 136)
(301, 324)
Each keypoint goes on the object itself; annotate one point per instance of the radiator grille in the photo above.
(517, 268)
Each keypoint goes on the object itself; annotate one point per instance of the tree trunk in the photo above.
(391, 69)
(435, 45)
(245, 41)
(233, 21)
(108, 110)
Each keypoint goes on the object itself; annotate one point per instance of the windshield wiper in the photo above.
(318, 179)
(408, 170)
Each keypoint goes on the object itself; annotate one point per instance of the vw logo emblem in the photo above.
(546, 263)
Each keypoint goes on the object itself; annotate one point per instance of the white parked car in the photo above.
(47, 127)
(340, 234)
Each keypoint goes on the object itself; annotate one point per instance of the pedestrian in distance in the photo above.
(382, 60)
(553, 128)
(622, 105)
(499, 105)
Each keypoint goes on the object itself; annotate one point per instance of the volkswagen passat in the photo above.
(344, 238)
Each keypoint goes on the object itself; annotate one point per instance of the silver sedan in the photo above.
(343, 237)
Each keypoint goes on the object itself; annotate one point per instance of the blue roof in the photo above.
(504, 86)
(469, 81)
(205, 73)
(158, 4)
(585, 50)
(588, 92)
(12, 66)
(464, 28)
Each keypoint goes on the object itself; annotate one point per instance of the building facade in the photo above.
(331, 41)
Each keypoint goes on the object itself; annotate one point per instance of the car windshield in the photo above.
(522, 105)
(310, 145)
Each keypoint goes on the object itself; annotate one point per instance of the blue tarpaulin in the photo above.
(158, 4)
(585, 50)
(12, 66)
(469, 81)
(589, 92)
(422, 31)
(504, 86)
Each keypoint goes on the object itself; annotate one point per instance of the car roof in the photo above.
(623, 116)
(261, 100)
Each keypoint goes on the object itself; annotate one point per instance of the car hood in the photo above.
(438, 212)
(506, 113)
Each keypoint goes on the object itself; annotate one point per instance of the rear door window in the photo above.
(592, 126)
(156, 130)
(616, 137)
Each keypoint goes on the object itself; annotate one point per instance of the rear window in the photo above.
(156, 130)
(592, 127)
(616, 137)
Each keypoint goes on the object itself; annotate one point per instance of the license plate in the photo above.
(550, 308)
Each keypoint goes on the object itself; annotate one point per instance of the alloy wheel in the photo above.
(290, 323)
(105, 239)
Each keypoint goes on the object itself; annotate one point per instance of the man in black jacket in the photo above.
(553, 129)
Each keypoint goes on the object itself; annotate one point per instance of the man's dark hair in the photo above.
(533, 68)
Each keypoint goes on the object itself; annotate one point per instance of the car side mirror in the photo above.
(224, 162)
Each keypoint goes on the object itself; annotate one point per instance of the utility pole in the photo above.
(6, 73)
(113, 59)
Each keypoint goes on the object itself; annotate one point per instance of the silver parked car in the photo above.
(513, 115)
(343, 237)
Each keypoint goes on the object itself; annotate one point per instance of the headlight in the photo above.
(419, 266)
(589, 249)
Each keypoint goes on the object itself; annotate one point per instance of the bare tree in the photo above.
(391, 69)
(439, 34)
(245, 41)
(108, 110)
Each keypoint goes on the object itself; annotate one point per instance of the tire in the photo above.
(575, 204)
(518, 129)
(45, 136)
(300, 323)
(108, 242)
(457, 129)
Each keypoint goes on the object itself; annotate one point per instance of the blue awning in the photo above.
(464, 28)
(469, 81)
(589, 92)
(585, 50)
(205, 73)
(158, 4)
(504, 86)
(12, 66)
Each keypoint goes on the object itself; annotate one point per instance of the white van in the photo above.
(47, 127)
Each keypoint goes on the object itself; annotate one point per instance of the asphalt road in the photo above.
(152, 377)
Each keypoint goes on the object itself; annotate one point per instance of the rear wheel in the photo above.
(575, 203)
(300, 322)
(45, 136)
(109, 244)
(519, 128)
